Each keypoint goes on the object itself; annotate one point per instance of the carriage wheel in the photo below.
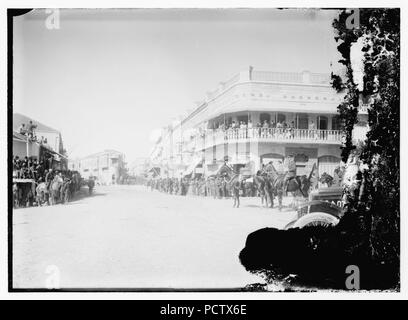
(290, 225)
(316, 219)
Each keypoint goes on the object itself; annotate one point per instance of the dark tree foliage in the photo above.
(373, 213)
(368, 234)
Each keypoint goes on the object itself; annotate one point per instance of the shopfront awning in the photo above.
(19, 137)
(192, 166)
(155, 171)
(57, 156)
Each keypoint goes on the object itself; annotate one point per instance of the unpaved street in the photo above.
(130, 237)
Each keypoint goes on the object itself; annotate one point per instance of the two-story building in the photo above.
(256, 117)
(108, 166)
(47, 144)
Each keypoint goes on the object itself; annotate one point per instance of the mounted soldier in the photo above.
(289, 167)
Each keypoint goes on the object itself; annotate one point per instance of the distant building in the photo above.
(108, 166)
(139, 166)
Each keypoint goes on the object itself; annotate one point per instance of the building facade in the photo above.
(46, 145)
(254, 118)
(107, 167)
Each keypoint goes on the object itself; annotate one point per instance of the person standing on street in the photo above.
(236, 187)
(91, 185)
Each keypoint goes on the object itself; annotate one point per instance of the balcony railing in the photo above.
(218, 136)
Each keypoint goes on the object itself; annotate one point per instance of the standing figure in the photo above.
(236, 187)
(289, 165)
(91, 185)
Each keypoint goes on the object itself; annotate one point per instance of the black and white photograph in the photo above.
(204, 149)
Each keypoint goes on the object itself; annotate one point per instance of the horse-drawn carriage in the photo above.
(23, 192)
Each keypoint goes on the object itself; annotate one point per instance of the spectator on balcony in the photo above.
(22, 129)
(242, 129)
(250, 128)
(265, 124)
(265, 128)
(312, 129)
(279, 128)
(30, 129)
(292, 130)
(258, 129)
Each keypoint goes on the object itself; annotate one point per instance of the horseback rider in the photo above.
(289, 166)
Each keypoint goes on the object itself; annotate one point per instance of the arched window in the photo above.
(281, 117)
(265, 116)
(336, 123)
(303, 121)
(328, 164)
(323, 122)
(243, 118)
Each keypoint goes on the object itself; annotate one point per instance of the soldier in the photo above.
(91, 184)
(67, 191)
(289, 166)
(236, 186)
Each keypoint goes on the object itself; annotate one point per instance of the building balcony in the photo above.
(264, 91)
(218, 136)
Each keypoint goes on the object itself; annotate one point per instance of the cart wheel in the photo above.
(316, 219)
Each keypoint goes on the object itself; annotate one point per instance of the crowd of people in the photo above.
(215, 187)
(29, 131)
(36, 183)
(246, 129)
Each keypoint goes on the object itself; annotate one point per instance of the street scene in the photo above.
(128, 236)
(172, 154)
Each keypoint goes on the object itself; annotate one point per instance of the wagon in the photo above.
(325, 208)
(25, 187)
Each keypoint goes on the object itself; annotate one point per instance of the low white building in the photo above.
(108, 166)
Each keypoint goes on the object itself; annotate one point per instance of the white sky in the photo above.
(108, 78)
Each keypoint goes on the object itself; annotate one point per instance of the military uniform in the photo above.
(235, 192)
(290, 170)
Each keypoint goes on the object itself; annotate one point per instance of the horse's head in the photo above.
(305, 184)
(270, 171)
(326, 178)
(226, 172)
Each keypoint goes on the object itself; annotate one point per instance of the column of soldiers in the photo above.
(215, 187)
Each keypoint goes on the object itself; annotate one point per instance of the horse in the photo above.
(229, 177)
(42, 193)
(299, 185)
(326, 179)
(248, 186)
(264, 187)
(54, 191)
